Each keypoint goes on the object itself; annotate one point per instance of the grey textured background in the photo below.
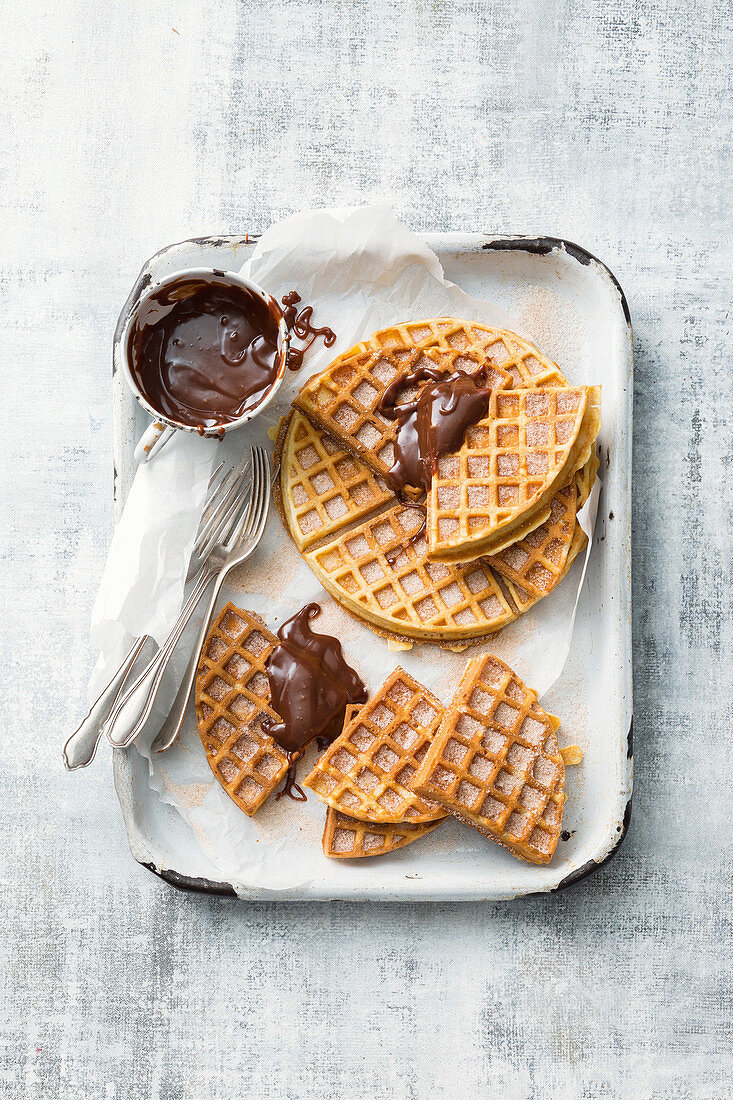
(127, 126)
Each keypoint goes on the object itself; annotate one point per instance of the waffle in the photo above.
(344, 397)
(495, 762)
(384, 578)
(499, 485)
(537, 561)
(521, 598)
(232, 697)
(368, 770)
(586, 477)
(348, 838)
(323, 487)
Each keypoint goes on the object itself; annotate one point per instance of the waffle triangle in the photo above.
(348, 838)
(499, 486)
(367, 772)
(344, 397)
(232, 698)
(521, 597)
(537, 561)
(495, 763)
(323, 487)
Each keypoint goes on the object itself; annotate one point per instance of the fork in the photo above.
(235, 544)
(251, 537)
(81, 747)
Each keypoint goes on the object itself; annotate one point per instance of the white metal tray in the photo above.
(577, 313)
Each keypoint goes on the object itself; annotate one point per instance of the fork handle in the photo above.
(81, 747)
(171, 726)
(131, 712)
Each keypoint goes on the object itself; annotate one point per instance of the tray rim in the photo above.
(535, 245)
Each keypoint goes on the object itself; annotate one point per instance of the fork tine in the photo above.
(212, 509)
(249, 519)
(228, 509)
(244, 520)
(261, 498)
(264, 503)
(214, 475)
(264, 497)
(258, 495)
(215, 501)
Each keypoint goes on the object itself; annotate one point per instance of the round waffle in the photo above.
(364, 547)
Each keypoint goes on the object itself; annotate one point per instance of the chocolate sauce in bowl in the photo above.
(432, 425)
(310, 687)
(210, 356)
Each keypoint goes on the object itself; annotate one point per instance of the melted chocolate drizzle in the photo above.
(210, 358)
(310, 688)
(301, 325)
(290, 786)
(432, 425)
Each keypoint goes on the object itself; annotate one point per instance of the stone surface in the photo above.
(125, 127)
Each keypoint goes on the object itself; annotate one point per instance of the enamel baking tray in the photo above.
(577, 313)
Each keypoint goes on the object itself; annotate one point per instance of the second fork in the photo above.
(133, 709)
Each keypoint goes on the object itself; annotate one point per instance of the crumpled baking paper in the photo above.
(361, 270)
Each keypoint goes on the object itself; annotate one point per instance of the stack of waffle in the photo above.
(501, 527)
(402, 762)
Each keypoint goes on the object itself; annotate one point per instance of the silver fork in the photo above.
(81, 747)
(234, 545)
(256, 527)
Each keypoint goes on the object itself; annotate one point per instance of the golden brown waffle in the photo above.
(521, 598)
(537, 561)
(499, 486)
(232, 699)
(323, 486)
(384, 578)
(347, 838)
(586, 477)
(495, 762)
(368, 770)
(344, 397)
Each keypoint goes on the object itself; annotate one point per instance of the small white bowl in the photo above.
(144, 308)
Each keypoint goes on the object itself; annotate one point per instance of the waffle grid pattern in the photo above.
(380, 574)
(348, 838)
(365, 582)
(495, 762)
(344, 397)
(232, 699)
(537, 561)
(368, 770)
(323, 486)
(507, 462)
(523, 599)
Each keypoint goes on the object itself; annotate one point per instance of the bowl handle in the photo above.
(152, 440)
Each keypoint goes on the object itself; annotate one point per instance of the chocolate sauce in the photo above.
(300, 325)
(310, 685)
(210, 355)
(290, 786)
(432, 425)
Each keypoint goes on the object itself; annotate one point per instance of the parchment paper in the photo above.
(360, 270)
